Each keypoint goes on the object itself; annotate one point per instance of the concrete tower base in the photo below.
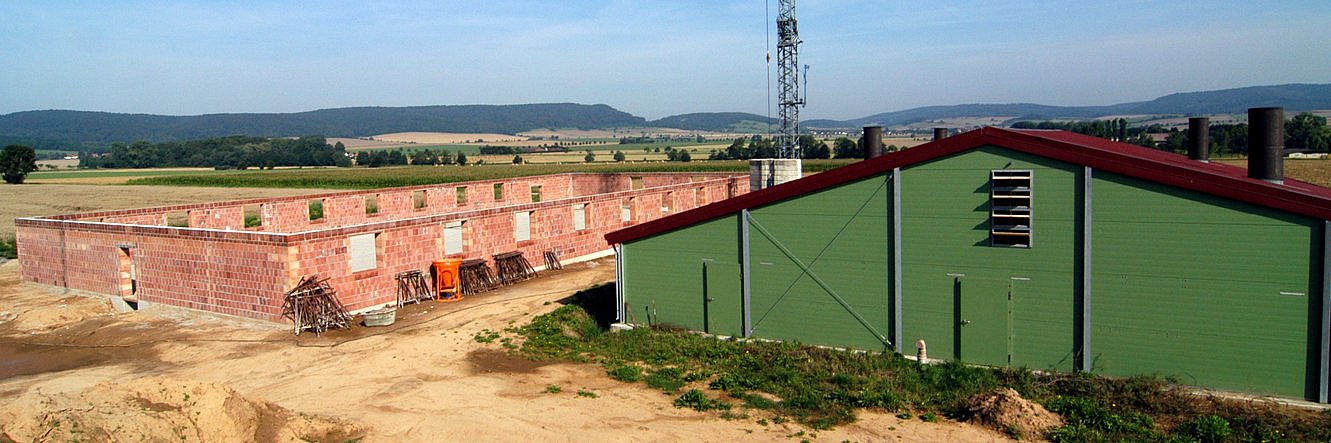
(768, 172)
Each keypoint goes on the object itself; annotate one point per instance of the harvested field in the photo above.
(429, 377)
(28, 200)
(1317, 172)
(440, 138)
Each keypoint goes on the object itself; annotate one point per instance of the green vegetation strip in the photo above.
(821, 387)
(370, 178)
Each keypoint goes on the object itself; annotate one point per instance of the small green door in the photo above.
(984, 321)
(722, 299)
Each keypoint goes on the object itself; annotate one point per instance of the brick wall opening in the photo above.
(253, 215)
(536, 193)
(128, 274)
(499, 191)
(418, 199)
(315, 209)
(179, 219)
(372, 204)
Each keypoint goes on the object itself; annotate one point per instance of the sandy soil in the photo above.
(425, 378)
(33, 199)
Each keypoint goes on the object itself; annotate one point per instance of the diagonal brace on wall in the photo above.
(809, 272)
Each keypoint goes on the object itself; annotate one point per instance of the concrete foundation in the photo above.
(768, 172)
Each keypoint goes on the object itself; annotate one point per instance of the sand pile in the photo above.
(160, 409)
(1005, 410)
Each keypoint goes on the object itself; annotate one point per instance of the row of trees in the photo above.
(745, 148)
(1116, 129)
(1306, 132)
(239, 152)
(423, 157)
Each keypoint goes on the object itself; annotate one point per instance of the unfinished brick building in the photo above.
(240, 257)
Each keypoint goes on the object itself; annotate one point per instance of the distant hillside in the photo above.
(82, 128)
(1293, 97)
(713, 121)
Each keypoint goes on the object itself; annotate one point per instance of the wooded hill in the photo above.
(74, 129)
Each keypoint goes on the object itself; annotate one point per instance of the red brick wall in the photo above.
(217, 266)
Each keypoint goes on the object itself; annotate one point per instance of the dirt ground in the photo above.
(70, 361)
(35, 199)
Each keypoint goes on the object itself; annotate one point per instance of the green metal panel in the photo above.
(945, 230)
(840, 233)
(1213, 292)
(663, 274)
(722, 299)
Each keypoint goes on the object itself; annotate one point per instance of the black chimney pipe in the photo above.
(1199, 139)
(1266, 144)
(873, 141)
(940, 133)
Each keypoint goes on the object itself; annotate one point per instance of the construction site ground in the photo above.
(74, 369)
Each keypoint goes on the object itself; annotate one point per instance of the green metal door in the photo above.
(722, 299)
(984, 321)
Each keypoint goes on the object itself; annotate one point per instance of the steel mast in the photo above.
(788, 81)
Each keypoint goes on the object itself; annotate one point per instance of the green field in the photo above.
(369, 178)
(628, 148)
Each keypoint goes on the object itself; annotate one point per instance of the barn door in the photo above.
(984, 320)
(722, 300)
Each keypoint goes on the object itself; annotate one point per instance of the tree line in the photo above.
(233, 152)
(1306, 132)
(745, 148)
(422, 157)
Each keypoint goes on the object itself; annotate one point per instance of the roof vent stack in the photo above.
(940, 133)
(873, 141)
(1266, 144)
(1199, 139)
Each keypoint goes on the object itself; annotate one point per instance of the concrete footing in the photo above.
(768, 172)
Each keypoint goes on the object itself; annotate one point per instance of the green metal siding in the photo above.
(840, 233)
(663, 276)
(1190, 286)
(945, 230)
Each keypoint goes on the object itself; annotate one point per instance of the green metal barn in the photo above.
(1044, 249)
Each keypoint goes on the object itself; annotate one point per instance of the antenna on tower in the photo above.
(789, 98)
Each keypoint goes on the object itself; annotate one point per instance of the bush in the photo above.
(9, 248)
(625, 373)
(1205, 429)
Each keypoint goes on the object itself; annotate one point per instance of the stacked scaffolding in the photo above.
(313, 305)
(412, 287)
(476, 277)
(513, 267)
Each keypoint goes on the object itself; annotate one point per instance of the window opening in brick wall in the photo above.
(522, 225)
(462, 195)
(128, 272)
(700, 196)
(418, 199)
(179, 219)
(316, 209)
(668, 203)
(635, 183)
(372, 204)
(253, 215)
(499, 191)
(363, 254)
(626, 210)
(536, 193)
(453, 237)
(1010, 208)
(579, 217)
(730, 190)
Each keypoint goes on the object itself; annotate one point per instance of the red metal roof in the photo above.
(1152, 165)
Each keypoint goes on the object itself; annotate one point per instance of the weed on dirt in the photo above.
(822, 387)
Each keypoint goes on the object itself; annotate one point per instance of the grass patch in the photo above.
(822, 388)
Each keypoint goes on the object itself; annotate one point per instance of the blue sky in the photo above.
(648, 58)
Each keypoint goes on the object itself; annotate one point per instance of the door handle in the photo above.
(965, 322)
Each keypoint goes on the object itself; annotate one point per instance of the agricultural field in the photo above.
(1317, 172)
(35, 199)
(370, 178)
